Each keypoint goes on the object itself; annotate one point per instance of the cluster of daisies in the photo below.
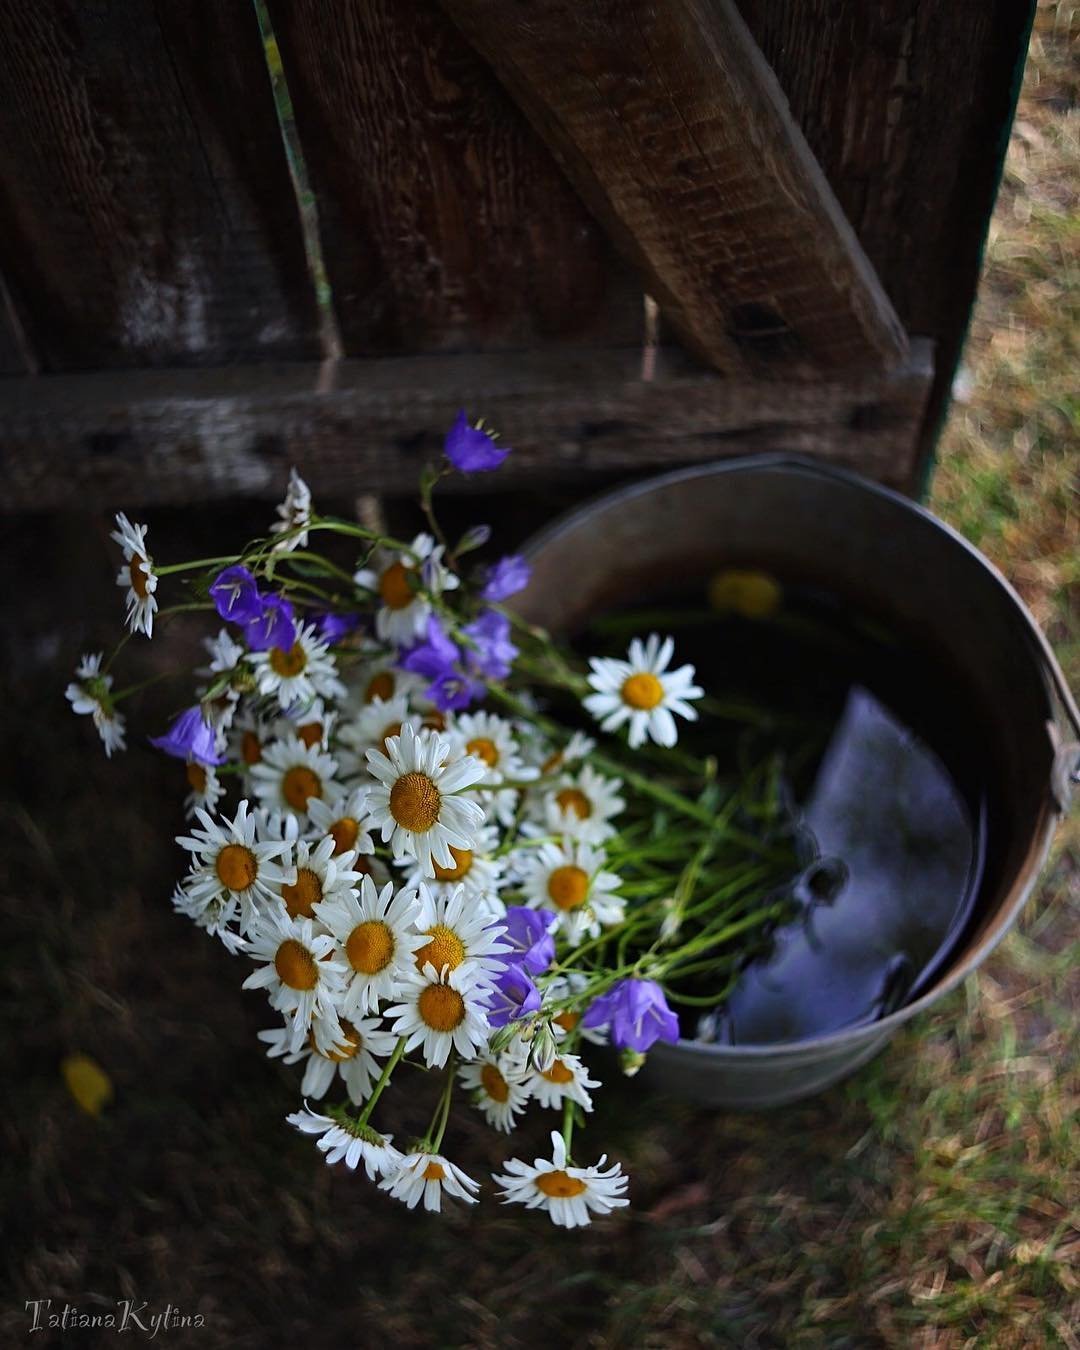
(416, 866)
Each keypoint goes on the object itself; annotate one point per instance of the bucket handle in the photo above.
(1065, 775)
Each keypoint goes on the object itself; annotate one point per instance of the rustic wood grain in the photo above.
(675, 132)
(445, 223)
(906, 105)
(184, 435)
(146, 214)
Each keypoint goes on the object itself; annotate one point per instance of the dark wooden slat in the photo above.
(672, 127)
(182, 435)
(16, 357)
(146, 213)
(906, 105)
(445, 223)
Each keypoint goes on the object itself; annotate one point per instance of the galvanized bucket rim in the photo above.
(1050, 674)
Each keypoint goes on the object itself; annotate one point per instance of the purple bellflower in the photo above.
(494, 653)
(637, 1013)
(189, 738)
(471, 449)
(528, 932)
(513, 995)
(509, 575)
(273, 627)
(235, 594)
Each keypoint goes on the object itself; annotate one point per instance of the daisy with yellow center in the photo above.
(371, 727)
(562, 988)
(205, 788)
(354, 1055)
(642, 693)
(581, 806)
(233, 862)
(477, 869)
(311, 722)
(565, 1079)
(456, 931)
(376, 933)
(402, 583)
(302, 971)
(343, 1139)
(497, 1085)
(344, 820)
(214, 916)
(88, 695)
(491, 740)
(568, 879)
(290, 774)
(442, 1011)
(295, 676)
(571, 1195)
(313, 874)
(417, 802)
(426, 1176)
(137, 576)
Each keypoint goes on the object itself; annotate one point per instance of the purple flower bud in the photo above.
(333, 627)
(493, 653)
(529, 936)
(637, 1013)
(235, 594)
(514, 995)
(472, 450)
(189, 738)
(273, 627)
(474, 537)
(509, 575)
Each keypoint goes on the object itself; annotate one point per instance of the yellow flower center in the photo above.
(440, 1007)
(415, 802)
(567, 1020)
(560, 1184)
(463, 859)
(751, 594)
(288, 663)
(196, 776)
(434, 1172)
(483, 748)
(495, 1085)
(250, 749)
(394, 587)
(139, 571)
(236, 867)
(380, 686)
(370, 947)
(296, 966)
(642, 690)
(568, 886)
(311, 733)
(344, 832)
(558, 1073)
(391, 729)
(299, 784)
(348, 1048)
(574, 800)
(445, 948)
(435, 720)
(307, 892)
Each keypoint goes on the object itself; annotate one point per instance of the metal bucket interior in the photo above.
(886, 557)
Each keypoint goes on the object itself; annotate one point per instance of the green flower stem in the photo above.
(568, 1125)
(384, 1078)
(196, 565)
(672, 964)
(437, 1128)
(145, 684)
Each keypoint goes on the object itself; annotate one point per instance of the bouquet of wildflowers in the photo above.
(402, 831)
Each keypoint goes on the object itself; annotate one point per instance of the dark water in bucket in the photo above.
(885, 785)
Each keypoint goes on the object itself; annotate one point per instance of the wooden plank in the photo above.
(906, 105)
(146, 213)
(182, 435)
(673, 129)
(445, 223)
(16, 356)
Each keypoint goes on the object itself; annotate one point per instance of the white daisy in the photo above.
(302, 972)
(643, 692)
(374, 724)
(313, 873)
(400, 580)
(457, 931)
(497, 1083)
(344, 819)
(376, 933)
(476, 868)
(582, 805)
(232, 860)
(226, 659)
(310, 722)
(441, 1012)
(566, 1078)
(424, 1176)
(299, 674)
(294, 513)
(346, 1140)
(549, 760)
(88, 695)
(137, 575)
(213, 914)
(491, 740)
(380, 680)
(571, 1195)
(568, 879)
(289, 774)
(568, 986)
(206, 788)
(414, 802)
(355, 1056)
(248, 733)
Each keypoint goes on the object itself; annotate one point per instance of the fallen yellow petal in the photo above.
(754, 595)
(88, 1083)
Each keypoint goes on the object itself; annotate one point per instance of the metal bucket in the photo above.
(885, 556)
